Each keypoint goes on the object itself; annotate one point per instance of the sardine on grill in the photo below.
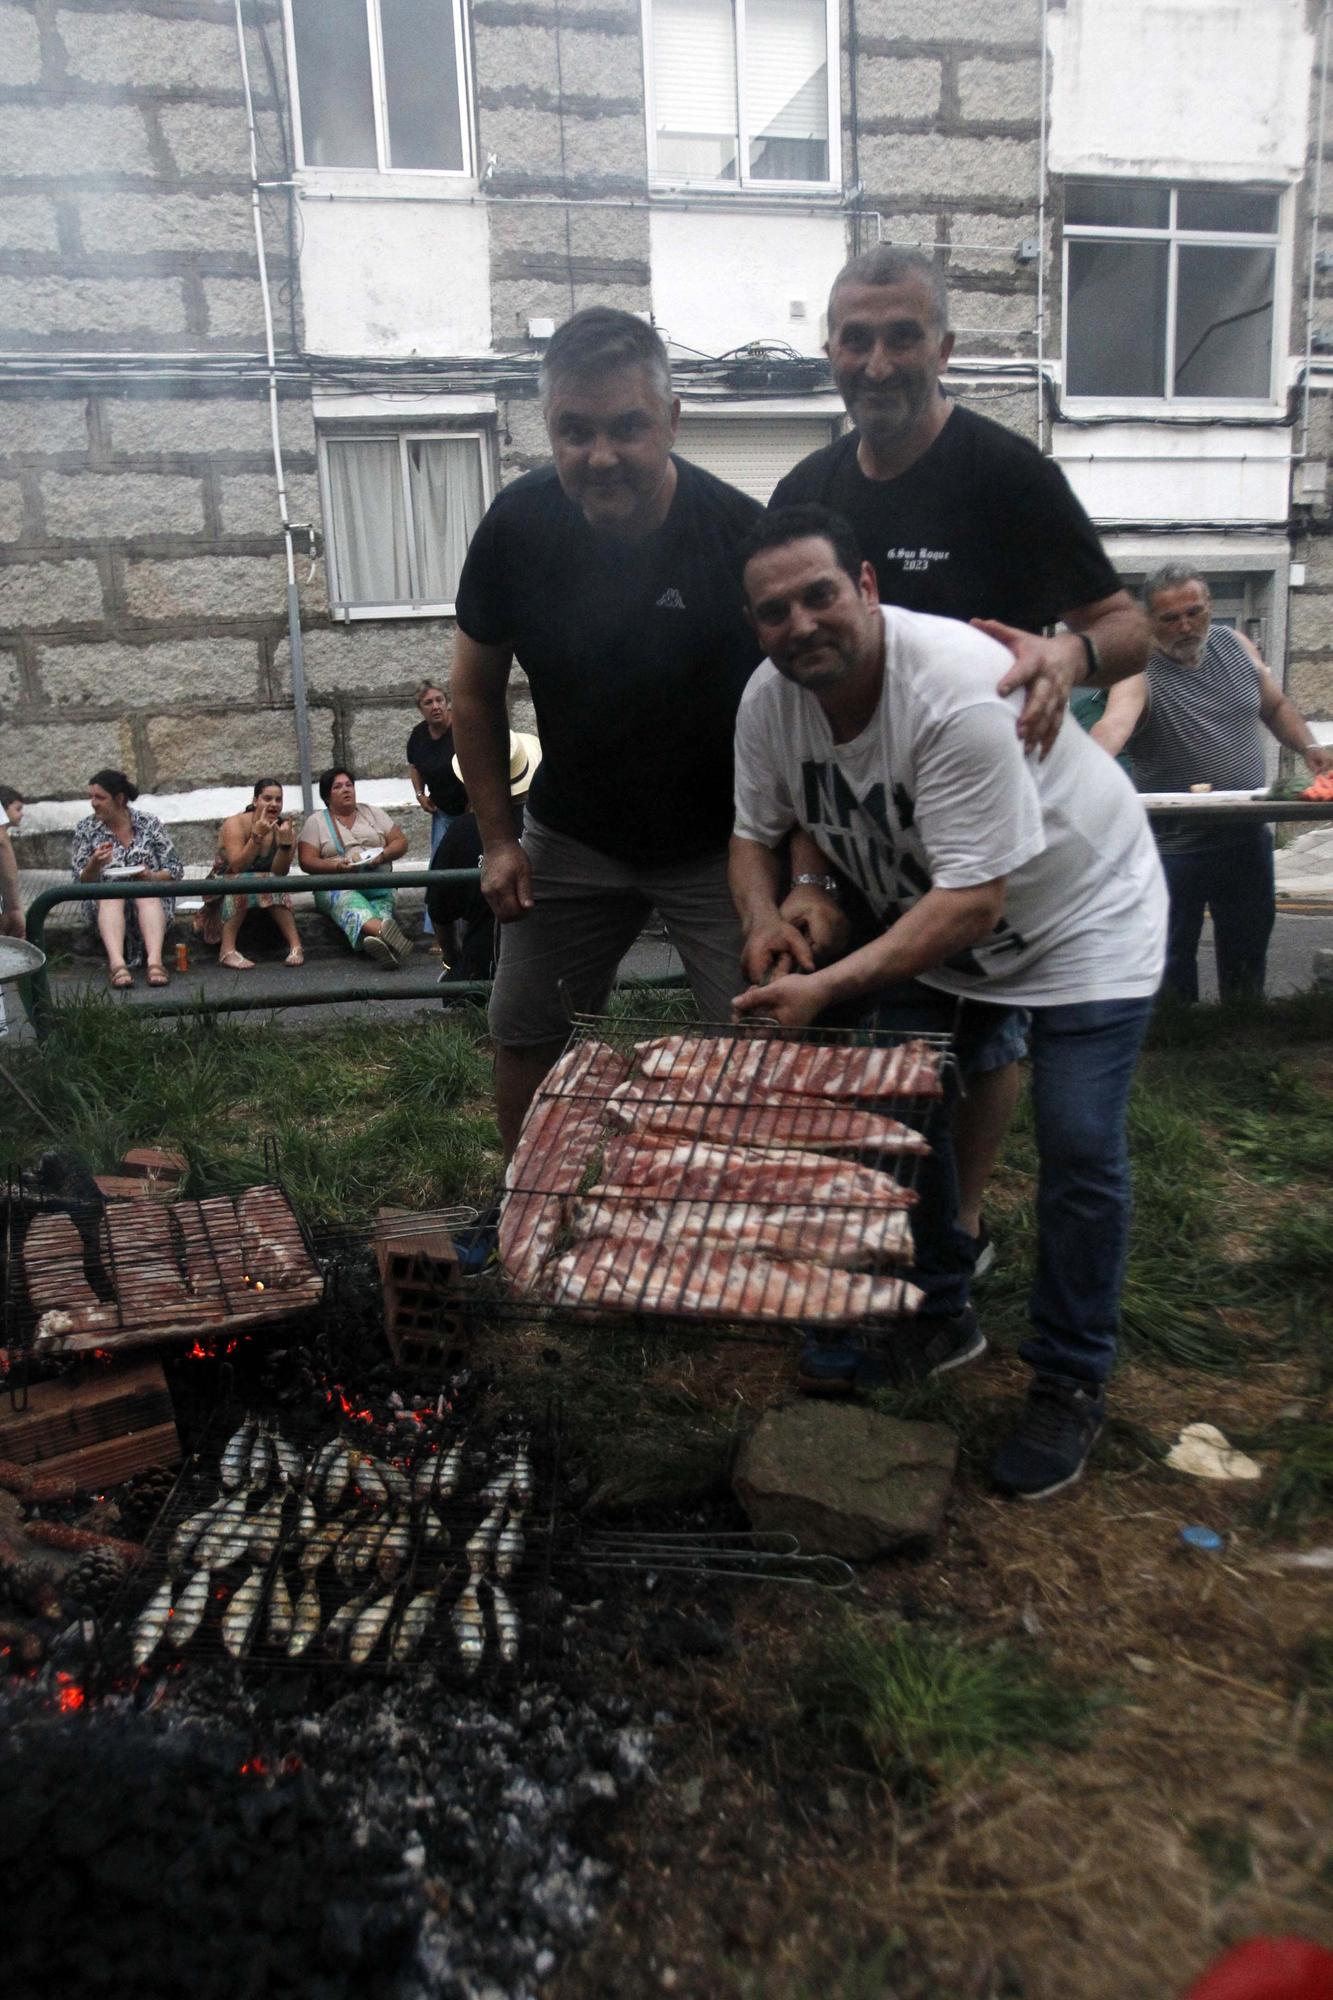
(414, 1624)
(152, 1623)
(506, 1624)
(279, 1612)
(188, 1611)
(366, 1631)
(236, 1457)
(469, 1626)
(238, 1620)
(481, 1548)
(305, 1620)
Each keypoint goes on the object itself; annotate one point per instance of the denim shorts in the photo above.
(997, 1037)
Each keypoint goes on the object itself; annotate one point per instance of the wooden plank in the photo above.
(111, 1461)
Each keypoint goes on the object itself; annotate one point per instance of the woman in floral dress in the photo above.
(114, 837)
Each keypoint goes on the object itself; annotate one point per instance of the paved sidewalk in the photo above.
(1305, 866)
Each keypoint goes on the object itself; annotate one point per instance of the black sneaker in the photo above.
(1050, 1448)
(985, 1251)
(936, 1345)
(926, 1347)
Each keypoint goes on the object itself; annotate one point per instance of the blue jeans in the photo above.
(440, 823)
(1083, 1060)
(1235, 882)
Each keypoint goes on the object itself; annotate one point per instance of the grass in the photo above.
(923, 1709)
(1316, 1668)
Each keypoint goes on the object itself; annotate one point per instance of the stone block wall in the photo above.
(1310, 632)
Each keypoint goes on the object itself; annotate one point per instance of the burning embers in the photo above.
(160, 1271)
(346, 1556)
(717, 1175)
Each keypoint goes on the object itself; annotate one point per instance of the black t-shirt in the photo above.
(981, 526)
(636, 654)
(433, 756)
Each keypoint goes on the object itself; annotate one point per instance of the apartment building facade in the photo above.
(275, 278)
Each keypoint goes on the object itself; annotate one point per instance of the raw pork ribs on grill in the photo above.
(720, 1176)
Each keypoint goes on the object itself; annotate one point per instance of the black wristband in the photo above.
(1094, 658)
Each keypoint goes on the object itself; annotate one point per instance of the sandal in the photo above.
(379, 952)
(234, 961)
(295, 956)
(119, 977)
(158, 975)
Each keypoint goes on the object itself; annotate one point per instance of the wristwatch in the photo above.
(828, 883)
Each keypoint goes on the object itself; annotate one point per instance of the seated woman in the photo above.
(116, 840)
(344, 837)
(258, 841)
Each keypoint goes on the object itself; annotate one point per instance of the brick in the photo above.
(217, 587)
(231, 749)
(10, 682)
(11, 510)
(28, 222)
(924, 163)
(362, 658)
(204, 425)
(52, 759)
(1311, 629)
(249, 502)
(1310, 685)
(133, 224)
(177, 670)
(995, 93)
(43, 425)
(73, 139)
(34, 595)
(149, 308)
(146, 53)
(123, 503)
(236, 312)
(1000, 21)
(207, 142)
(20, 47)
(898, 87)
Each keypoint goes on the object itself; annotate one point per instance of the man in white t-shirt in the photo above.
(995, 878)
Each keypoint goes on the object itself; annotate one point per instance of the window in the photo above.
(1169, 290)
(740, 92)
(752, 453)
(381, 84)
(401, 508)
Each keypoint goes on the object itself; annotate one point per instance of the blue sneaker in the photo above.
(478, 1246)
(934, 1345)
(1057, 1430)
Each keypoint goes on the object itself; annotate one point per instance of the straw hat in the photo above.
(525, 754)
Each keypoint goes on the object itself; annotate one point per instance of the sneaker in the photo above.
(985, 1251)
(379, 951)
(931, 1346)
(478, 1246)
(1050, 1448)
(399, 943)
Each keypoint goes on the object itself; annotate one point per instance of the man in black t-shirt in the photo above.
(613, 577)
(959, 517)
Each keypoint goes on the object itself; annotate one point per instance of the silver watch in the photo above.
(828, 883)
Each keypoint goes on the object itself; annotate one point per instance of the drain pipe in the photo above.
(1041, 227)
(293, 595)
(1314, 235)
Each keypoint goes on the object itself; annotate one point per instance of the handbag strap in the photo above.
(334, 831)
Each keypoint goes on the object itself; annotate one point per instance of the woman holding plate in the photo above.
(344, 837)
(257, 841)
(116, 843)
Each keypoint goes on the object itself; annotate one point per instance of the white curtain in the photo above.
(369, 522)
(445, 479)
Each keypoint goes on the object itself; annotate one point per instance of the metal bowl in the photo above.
(18, 958)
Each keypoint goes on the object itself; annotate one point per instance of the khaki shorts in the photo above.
(588, 908)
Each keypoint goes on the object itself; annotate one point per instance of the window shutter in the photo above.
(786, 69)
(694, 66)
(751, 452)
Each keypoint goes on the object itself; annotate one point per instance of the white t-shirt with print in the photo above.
(937, 791)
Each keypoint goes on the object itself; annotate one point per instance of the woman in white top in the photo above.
(344, 837)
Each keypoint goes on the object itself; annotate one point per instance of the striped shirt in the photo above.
(1201, 727)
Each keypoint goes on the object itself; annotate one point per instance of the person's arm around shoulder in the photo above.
(1280, 714)
(1049, 667)
(481, 735)
(11, 901)
(1126, 706)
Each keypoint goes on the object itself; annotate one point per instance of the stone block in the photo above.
(510, 56)
(602, 148)
(1309, 683)
(898, 87)
(150, 310)
(524, 142)
(978, 316)
(999, 93)
(119, 504)
(11, 510)
(216, 587)
(209, 143)
(999, 21)
(134, 224)
(248, 502)
(595, 64)
(28, 222)
(142, 52)
(986, 243)
(188, 751)
(514, 302)
(10, 682)
(206, 669)
(199, 424)
(1016, 409)
(377, 739)
(69, 139)
(926, 163)
(527, 428)
(1316, 552)
(44, 424)
(845, 1480)
(235, 312)
(364, 658)
(1311, 629)
(20, 47)
(37, 595)
(51, 760)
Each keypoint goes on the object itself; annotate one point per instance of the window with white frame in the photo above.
(752, 452)
(381, 84)
(400, 508)
(1169, 290)
(742, 92)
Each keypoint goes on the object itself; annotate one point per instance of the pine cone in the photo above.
(30, 1586)
(144, 1498)
(95, 1578)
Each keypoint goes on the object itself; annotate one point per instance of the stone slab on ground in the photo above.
(846, 1480)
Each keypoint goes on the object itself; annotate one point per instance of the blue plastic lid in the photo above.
(1207, 1540)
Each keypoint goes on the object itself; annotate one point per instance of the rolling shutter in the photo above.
(751, 452)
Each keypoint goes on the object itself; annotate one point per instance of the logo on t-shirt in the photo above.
(670, 600)
(916, 558)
